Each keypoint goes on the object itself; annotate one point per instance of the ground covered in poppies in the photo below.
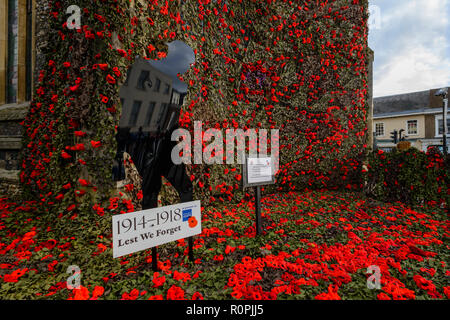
(315, 245)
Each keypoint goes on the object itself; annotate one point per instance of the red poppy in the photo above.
(98, 291)
(81, 293)
(104, 99)
(175, 293)
(95, 144)
(158, 280)
(79, 133)
(65, 155)
(110, 79)
(197, 296)
(84, 182)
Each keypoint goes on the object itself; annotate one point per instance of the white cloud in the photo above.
(412, 70)
(412, 51)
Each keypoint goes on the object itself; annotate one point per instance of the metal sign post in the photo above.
(190, 249)
(258, 210)
(258, 172)
(154, 259)
(155, 254)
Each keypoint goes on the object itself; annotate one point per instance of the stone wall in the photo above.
(10, 146)
(11, 115)
(41, 35)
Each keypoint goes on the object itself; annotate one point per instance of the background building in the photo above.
(17, 62)
(419, 114)
(146, 97)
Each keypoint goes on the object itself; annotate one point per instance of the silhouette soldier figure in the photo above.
(150, 113)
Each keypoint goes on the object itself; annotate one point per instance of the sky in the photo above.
(178, 60)
(411, 41)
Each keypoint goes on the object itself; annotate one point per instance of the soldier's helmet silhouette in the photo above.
(151, 98)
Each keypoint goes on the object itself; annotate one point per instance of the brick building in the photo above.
(419, 114)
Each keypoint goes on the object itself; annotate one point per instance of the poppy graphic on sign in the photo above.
(192, 222)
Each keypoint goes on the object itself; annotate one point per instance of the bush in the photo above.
(409, 176)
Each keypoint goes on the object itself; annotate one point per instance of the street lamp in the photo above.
(444, 94)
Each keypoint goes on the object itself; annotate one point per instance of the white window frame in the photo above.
(384, 129)
(436, 125)
(417, 126)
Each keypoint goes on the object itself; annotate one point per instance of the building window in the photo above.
(411, 126)
(16, 51)
(148, 118)
(175, 98)
(135, 113)
(379, 129)
(144, 80)
(29, 52)
(13, 52)
(162, 113)
(157, 85)
(440, 125)
(166, 89)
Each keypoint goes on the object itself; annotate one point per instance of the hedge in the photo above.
(410, 176)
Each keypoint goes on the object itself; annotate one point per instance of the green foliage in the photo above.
(313, 60)
(409, 176)
(328, 237)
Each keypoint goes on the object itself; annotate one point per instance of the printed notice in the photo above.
(259, 170)
(145, 229)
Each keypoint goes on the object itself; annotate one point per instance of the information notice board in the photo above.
(258, 171)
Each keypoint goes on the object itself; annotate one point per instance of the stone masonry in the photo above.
(10, 146)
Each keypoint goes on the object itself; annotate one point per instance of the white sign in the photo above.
(145, 229)
(259, 170)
